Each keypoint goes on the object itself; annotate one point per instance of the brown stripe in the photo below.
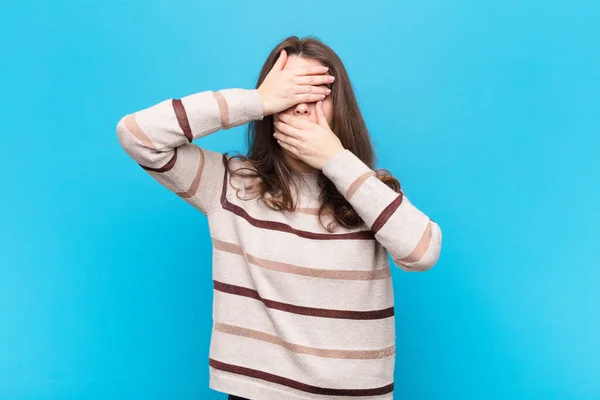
(223, 109)
(182, 118)
(296, 348)
(387, 213)
(421, 248)
(165, 167)
(191, 192)
(280, 226)
(313, 312)
(133, 127)
(280, 380)
(357, 183)
(298, 270)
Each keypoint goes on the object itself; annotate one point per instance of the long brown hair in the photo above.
(265, 156)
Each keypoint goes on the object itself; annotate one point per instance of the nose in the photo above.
(302, 109)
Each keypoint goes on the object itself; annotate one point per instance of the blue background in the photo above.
(487, 111)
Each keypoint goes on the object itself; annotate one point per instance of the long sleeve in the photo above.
(411, 238)
(159, 138)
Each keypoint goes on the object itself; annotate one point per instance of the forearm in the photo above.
(411, 237)
(151, 134)
(159, 138)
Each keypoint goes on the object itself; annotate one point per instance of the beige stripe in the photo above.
(356, 184)
(298, 328)
(133, 127)
(421, 248)
(297, 270)
(223, 109)
(296, 348)
(191, 192)
(307, 210)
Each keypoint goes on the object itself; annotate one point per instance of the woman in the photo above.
(301, 228)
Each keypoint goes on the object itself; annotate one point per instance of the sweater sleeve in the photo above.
(411, 238)
(159, 138)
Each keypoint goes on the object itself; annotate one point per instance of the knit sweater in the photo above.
(298, 312)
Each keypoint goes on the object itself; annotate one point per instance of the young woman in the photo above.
(302, 227)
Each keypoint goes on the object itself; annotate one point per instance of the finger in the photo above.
(308, 98)
(321, 119)
(286, 138)
(281, 60)
(311, 70)
(302, 89)
(286, 146)
(314, 79)
(294, 122)
(287, 129)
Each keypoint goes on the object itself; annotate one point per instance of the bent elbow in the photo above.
(424, 264)
(134, 141)
(123, 134)
(426, 257)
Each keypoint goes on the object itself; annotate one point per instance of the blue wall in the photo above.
(487, 111)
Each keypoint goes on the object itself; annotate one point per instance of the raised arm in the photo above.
(159, 138)
(411, 238)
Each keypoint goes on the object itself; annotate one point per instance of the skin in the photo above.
(303, 130)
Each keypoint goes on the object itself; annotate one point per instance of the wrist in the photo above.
(242, 105)
(331, 156)
(264, 102)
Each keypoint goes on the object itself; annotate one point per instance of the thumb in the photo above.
(280, 60)
(321, 118)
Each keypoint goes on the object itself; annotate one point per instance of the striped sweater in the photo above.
(298, 312)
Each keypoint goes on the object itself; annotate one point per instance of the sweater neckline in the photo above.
(308, 183)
